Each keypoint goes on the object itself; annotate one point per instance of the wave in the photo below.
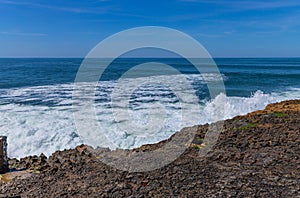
(47, 124)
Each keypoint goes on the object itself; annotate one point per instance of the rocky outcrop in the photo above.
(257, 155)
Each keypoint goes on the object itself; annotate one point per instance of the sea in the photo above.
(37, 104)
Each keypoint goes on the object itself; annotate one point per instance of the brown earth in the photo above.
(257, 155)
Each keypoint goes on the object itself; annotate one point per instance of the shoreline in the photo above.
(256, 155)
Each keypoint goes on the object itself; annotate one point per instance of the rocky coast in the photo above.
(256, 155)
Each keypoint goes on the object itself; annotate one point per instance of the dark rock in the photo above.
(256, 155)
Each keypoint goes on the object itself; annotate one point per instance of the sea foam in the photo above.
(40, 119)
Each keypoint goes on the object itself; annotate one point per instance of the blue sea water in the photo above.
(36, 106)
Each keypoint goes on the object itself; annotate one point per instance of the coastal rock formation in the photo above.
(256, 155)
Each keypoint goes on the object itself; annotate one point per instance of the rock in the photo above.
(256, 155)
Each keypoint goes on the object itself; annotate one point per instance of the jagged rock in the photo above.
(256, 155)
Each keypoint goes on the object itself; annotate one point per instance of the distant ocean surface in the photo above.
(36, 98)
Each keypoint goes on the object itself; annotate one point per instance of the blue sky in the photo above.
(226, 28)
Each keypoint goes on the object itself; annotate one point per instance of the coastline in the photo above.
(255, 155)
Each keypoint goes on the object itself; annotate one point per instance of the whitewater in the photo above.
(37, 115)
(35, 129)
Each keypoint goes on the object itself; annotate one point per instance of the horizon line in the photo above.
(44, 57)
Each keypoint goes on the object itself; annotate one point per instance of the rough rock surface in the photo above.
(257, 155)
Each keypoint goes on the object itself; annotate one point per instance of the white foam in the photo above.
(35, 129)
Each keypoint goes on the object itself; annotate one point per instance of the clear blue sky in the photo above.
(226, 28)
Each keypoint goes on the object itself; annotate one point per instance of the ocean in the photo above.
(36, 105)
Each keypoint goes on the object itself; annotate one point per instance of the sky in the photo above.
(226, 28)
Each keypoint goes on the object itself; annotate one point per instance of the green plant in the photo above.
(246, 127)
(199, 139)
(14, 166)
(278, 114)
(197, 146)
